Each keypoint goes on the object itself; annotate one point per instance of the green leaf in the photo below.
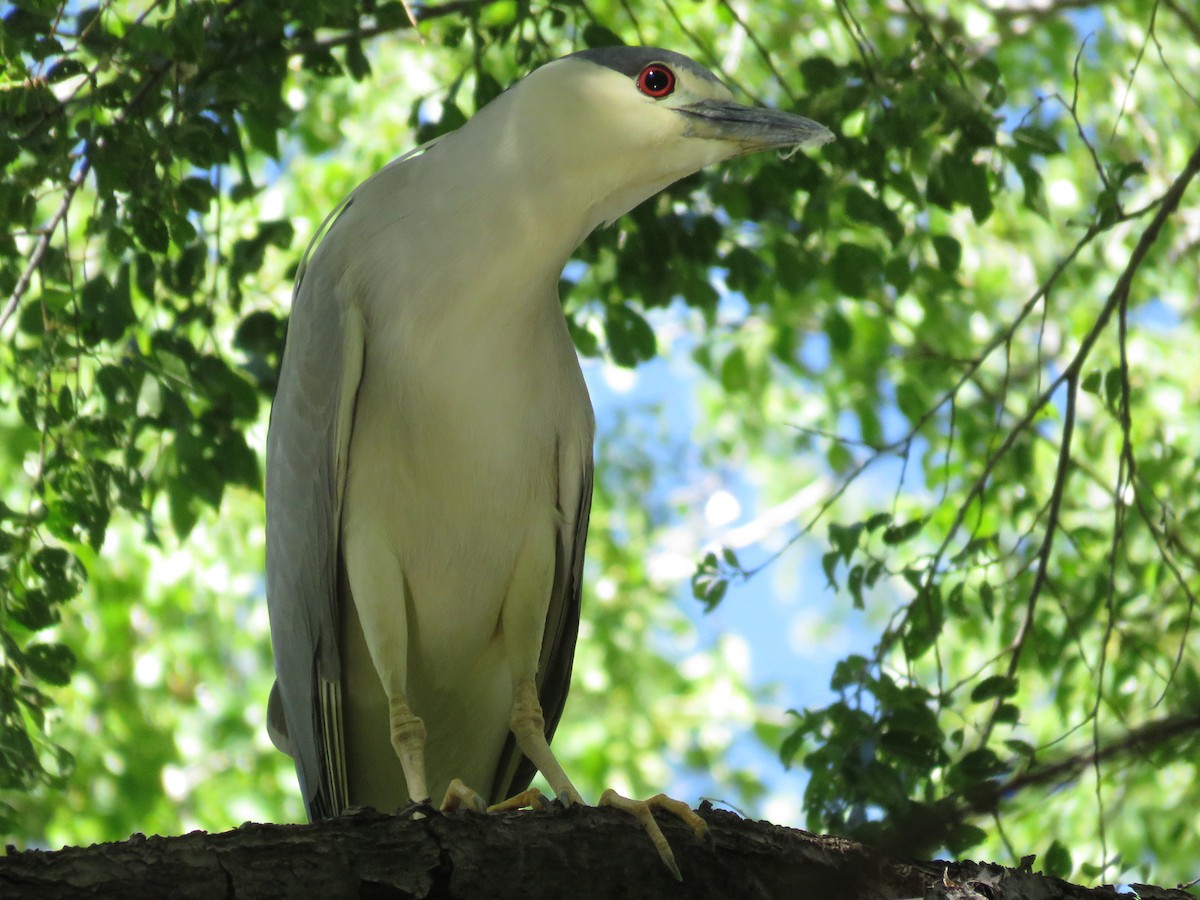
(487, 89)
(959, 180)
(260, 333)
(149, 228)
(790, 747)
(898, 271)
(849, 672)
(863, 207)
(585, 341)
(107, 308)
(197, 194)
(497, 15)
(829, 563)
(820, 72)
(708, 584)
(949, 252)
(60, 571)
(51, 663)
(963, 836)
(854, 582)
(1021, 748)
(746, 270)
(987, 600)
(118, 390)
(236, 462)
(986, 70)
(839, 458)
(915, 718)
(898, 534)
(356, 61)
(598, 36)
(844, 538)
(630, 338)
(924, 623)
(64, 69)
(981, 764)
(839, 331)
(1038, 139)
(1113, 386)
(735, 372)
(904, 184)
(321, 62)
(911, 400)
(1056, 861)
(1127, 170)
(856, 269)
(713, 593)
(994, 687)
(34, 610)
(182, 507)
(1007, 714)
(877, 521)
(392, 15)
(1035, 190)
(66, 404)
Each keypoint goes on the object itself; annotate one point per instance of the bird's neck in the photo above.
(530, 192)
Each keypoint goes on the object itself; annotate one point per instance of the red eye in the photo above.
(656, 81)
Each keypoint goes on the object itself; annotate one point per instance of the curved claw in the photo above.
(530, 798)
(458, 796)
(569, 798)
(643, 811)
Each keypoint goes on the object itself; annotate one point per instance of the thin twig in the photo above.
(923, 17)
(1140, 740)
(707, 52)
(1061, 476)
(1189, 20)
(1137, 63)
(763, 52)
(422, 13)
(43, 242)
(1170, 202)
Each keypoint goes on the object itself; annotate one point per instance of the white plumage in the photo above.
(429, 459)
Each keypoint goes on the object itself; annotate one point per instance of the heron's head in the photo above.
(611, 127)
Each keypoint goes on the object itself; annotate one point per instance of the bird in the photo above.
(430, 448)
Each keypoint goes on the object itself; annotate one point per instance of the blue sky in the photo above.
(793, 625)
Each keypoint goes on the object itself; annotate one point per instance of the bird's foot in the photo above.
(459, 796)
(643, 811)
(530, 798)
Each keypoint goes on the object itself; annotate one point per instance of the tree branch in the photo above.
(583, 852)
(1149, 737)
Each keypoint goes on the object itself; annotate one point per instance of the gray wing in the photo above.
(307, 453)
(515, 771)
(307, 444)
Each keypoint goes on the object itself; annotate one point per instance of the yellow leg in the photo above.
(408, 740)
(529, 728)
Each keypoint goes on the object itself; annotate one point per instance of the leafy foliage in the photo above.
(971, 318)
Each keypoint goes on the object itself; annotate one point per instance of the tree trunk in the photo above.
(580, 853)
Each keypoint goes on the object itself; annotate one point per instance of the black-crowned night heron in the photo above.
(429, 461)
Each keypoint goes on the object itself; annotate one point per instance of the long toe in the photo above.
(643, 811)
(459, 796)
(530, 798)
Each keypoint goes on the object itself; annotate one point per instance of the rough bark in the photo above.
(581, 853)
